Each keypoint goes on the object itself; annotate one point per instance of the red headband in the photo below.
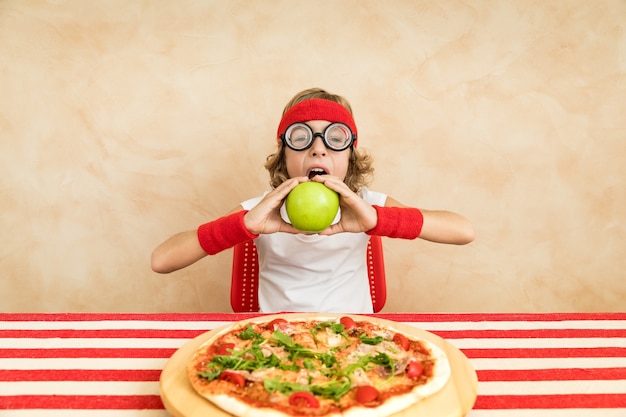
(317, 109)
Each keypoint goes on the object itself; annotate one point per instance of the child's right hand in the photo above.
(265, 216)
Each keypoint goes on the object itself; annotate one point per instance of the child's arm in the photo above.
(442, 226)
(179, 251)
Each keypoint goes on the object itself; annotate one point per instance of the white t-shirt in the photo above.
(314, 273)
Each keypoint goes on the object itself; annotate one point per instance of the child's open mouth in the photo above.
(316, 171)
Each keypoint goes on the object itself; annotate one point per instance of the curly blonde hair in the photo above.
(360, 169)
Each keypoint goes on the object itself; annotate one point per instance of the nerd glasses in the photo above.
(300, 136)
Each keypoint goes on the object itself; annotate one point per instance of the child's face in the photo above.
(317, 157)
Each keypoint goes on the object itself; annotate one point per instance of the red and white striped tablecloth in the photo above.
(550, 365)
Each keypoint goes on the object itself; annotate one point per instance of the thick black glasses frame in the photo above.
(321, 135)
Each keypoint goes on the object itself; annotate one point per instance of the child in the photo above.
(325, 272)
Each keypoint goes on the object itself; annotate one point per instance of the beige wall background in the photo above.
(122, 123)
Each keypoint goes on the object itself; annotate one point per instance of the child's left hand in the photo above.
(356, 214)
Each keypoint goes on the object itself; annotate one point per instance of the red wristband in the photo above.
(224, 233)
(401, 222)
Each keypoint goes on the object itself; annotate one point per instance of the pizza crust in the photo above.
(230, 404)
(395, 404)
(241, 409)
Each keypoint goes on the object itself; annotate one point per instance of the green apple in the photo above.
(311, 206)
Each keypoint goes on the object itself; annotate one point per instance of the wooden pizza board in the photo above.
(455, 399)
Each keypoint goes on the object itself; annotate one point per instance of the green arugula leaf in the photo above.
(295, 350)
(337, 328)
(276, 384)
(332, 389)
(249, 334)
(256, 351)
(361, 363)
(327, 359)
(227, 361)
(288, 367)
(384, 360)
(283, 339)
(371, 340)
(210, 374)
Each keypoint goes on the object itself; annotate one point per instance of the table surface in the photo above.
(554, 365)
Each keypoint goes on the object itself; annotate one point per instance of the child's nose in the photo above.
(318, 147)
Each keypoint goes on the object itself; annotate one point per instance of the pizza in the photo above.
(317, 366)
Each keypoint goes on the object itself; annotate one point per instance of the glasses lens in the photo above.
(338, 136)
(298, 136)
